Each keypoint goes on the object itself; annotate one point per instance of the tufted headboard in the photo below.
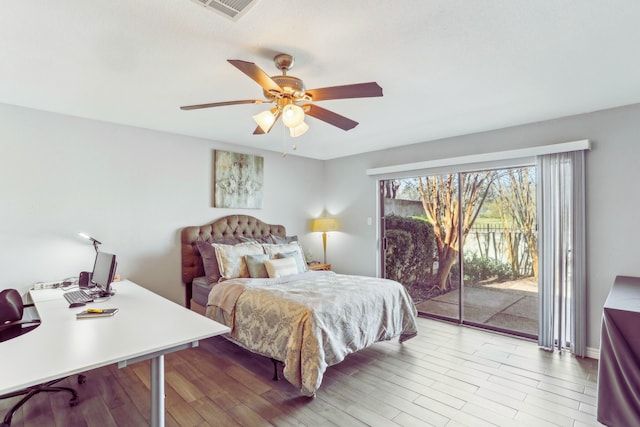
(223, 229)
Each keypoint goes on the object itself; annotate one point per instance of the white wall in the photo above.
(133, 189)
(613, 201)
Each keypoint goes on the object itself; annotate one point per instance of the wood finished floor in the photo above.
(448, 376)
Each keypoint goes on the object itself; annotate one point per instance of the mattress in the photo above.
(201, 289)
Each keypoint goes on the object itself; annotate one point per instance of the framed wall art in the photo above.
(237, 180)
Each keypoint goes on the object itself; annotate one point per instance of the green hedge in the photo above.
(477, 269)
(410, 249)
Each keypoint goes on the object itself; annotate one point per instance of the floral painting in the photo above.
(238, 180)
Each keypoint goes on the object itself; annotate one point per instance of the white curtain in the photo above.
(562, 266)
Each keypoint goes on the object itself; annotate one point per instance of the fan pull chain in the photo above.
(284, 142)
(294, 146)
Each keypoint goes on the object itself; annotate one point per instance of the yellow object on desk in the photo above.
(92, 312)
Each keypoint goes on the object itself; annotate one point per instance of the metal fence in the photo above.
(492, 240)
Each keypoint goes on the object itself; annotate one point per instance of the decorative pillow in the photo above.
(209, 261)
(231, 258)
(255, 265)
(274, 250)
(279, 240)
(281, 267)
(295, 255)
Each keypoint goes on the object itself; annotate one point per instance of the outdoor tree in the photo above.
(408, 190)
(439, 197)
(515, 195)
(391, 188)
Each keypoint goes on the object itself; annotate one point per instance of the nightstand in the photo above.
(318, 266)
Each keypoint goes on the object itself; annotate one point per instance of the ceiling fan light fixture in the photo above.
(286, 92)
(292, 115)
(298, 130)
(265, 120)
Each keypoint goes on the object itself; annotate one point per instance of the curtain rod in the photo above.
(564, 147)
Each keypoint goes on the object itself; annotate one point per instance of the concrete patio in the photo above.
(508, 305)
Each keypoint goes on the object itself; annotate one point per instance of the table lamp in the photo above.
(324, 225)
(94, 241)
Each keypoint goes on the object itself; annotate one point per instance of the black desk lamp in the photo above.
(94, 241)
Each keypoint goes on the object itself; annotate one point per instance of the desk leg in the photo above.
(157, 391)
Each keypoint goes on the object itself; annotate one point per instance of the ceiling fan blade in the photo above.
(221, 104)
(330, 117)
(256, 73)
(259, 130)
(358, 90)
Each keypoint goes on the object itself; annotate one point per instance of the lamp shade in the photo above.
(94, 241)
(298, 130)
(324, 224)
(86, 236)
(265, 120)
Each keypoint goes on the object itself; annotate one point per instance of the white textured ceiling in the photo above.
(447, 67)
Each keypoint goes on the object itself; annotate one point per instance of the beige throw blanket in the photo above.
(312, 320)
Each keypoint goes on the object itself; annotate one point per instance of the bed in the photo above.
(252, 277)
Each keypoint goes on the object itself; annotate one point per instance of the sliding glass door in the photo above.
(465, 246)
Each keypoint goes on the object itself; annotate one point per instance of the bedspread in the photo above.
(312, 320)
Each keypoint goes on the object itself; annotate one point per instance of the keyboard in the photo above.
(78, 296)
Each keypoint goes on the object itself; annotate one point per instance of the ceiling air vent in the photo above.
(232, 9)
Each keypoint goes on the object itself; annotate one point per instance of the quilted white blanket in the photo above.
(312, 320)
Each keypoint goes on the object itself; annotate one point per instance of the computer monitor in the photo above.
(104, 270)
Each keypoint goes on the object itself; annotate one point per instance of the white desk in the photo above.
(147, 326)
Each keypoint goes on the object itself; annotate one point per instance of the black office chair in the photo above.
(12, 325)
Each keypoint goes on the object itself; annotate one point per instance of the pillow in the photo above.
(209, 261)
(265, 239)
(300, 264)
(274, 250)
(255, 265)
(279, 240)
(231, 258)
(281, 267)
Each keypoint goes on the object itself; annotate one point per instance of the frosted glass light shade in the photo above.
(298, 130)
(265, 120)
(292, 115)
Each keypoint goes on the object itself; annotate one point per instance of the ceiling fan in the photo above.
(292, 101)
